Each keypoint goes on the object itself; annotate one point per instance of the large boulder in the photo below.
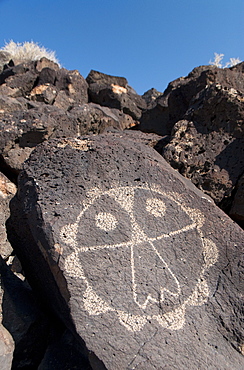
(203, 116)
(180, 97)
(39, 101)
(114, 92)
(134, 259)
(43, 81)
(94, 118)
(21, 131)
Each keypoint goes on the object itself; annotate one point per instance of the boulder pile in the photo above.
(121, 220)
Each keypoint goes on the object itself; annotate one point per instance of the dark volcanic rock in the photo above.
(63, 353)
(23, 319)
(147, 268)
(21, 131)
(237, 209)
(204, 114)
(150, 97)
(181, 94)
(42, 81)
(4, 59)
(213, 160)
(7, 191)
(94, 118)
(6, 349)
(114, 92)
(6, 341)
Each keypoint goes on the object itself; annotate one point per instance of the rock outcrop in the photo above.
(203, 116)
(130, 252)
(110, 258)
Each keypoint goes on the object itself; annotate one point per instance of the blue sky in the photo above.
(150, 42)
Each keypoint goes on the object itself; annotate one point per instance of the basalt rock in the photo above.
(4, 59)
(180, 97)
(28, 326)
(237, 208)
(134, 266)
(6, 342)
(6, 348)
(212, 160)
(22, 130)
(150, 97)
(94, 118)
(114, 92)
(24, 81)
(7, 191)
(131, 256)
(204, 114)
(39, 101)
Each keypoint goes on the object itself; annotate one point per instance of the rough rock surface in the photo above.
(39, 101)
(6, 342)
(150, 97)
(6, 349)
(7, 191)
(147, 268)
(237, 209)
(114, 92)
(203, 115)
(54, 220)
(213, 160)
(21, 316)
(4, 59)
(181, 94)
(94, 118)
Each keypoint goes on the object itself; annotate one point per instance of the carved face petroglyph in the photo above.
(140, 253)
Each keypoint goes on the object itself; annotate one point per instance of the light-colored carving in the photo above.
(105, 220)
(156, 207)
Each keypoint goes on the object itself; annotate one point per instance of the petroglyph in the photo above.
(141, 245)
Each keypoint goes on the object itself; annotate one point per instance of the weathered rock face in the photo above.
(147, 268)
(212, 160)
(39, 101)
(6, 349)
(94, 118)
(4, 59)
(114, 92)
(23, 319)
(141, 268)
(237, 209)
(203, 115)
(7, 191)
(6, 342)
(150, 97)
(180, 97)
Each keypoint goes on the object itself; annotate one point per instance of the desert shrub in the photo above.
(28, 51)
(218, 61)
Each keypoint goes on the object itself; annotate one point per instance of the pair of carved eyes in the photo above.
(107, 221)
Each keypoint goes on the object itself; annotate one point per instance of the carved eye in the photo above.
(106, 221)
(156, 207)
(158, 214)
